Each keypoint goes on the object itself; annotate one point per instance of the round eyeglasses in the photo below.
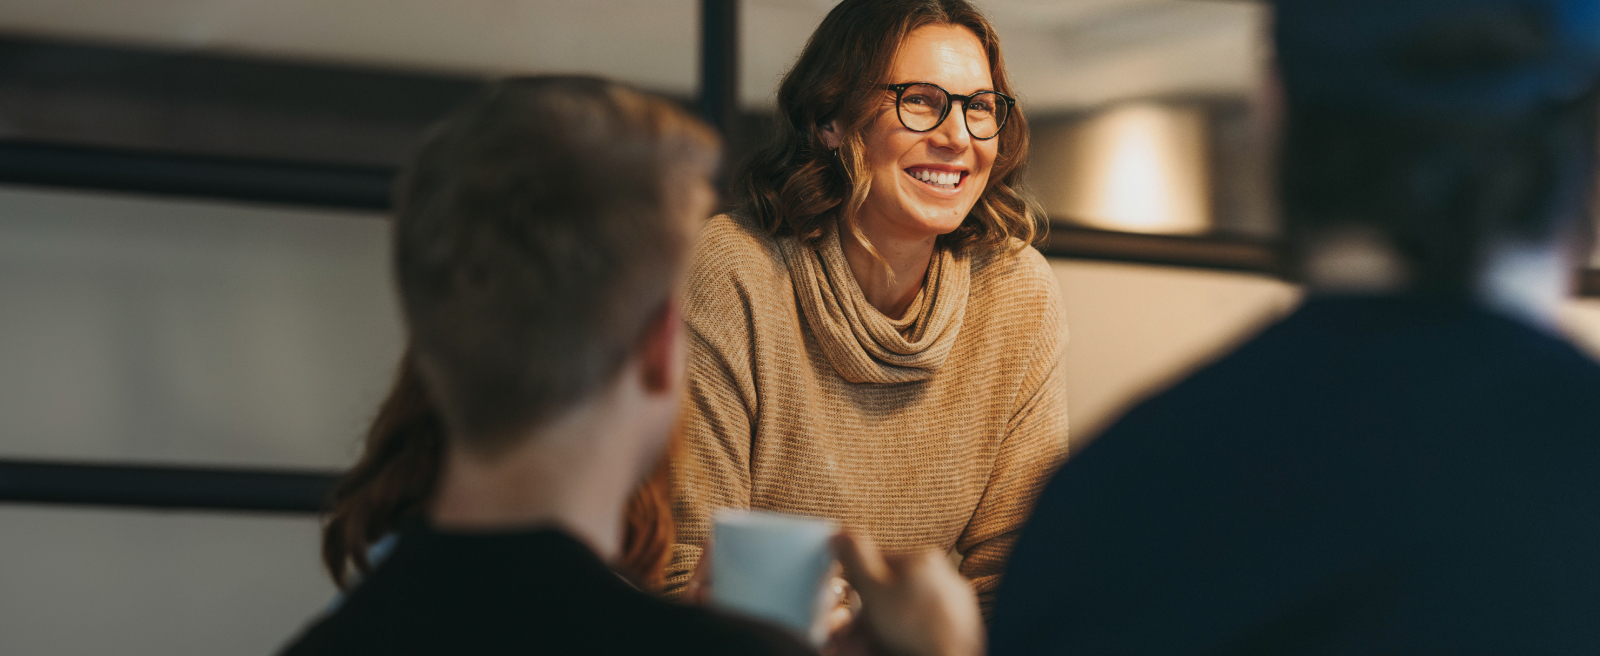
(923, 106)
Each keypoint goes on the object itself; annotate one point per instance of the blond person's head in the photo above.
(540, 229)
(540, 233)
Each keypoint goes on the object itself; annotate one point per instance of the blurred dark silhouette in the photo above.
(1406, 464)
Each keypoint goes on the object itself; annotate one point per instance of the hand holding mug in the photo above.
(912, 604)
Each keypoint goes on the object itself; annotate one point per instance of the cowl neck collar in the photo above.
(863, 345)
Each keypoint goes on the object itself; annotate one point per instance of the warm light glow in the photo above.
(1139, 168)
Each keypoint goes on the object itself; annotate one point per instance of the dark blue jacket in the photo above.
(1370, 476)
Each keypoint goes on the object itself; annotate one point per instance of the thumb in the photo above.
(863, 564)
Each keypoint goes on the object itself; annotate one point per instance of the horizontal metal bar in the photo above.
(295, 183)
(179, 488)
(367, 188)
(1203, 252)
(1074, 243)
(265, 86)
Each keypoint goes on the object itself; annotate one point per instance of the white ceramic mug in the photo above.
(772, 566)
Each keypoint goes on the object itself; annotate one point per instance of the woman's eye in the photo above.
(980, 106)
(918, 100)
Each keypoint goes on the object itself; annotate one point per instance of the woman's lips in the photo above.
(936, 178)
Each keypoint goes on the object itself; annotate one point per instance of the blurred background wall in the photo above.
(169, 331)
(172, 329)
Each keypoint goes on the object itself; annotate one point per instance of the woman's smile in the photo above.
(939, 178)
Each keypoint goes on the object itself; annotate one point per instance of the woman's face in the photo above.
(901, 202)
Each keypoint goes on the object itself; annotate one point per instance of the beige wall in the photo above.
(154, 583)
(1582, 321)
(1135, 329)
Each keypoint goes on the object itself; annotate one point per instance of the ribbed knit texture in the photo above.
(864, 345)
(933, 431)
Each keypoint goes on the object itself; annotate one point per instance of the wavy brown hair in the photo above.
(398, 470)
(796, 184)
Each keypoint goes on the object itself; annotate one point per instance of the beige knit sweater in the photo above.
(933, 431)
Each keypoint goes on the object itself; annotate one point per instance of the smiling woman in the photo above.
(873, 339)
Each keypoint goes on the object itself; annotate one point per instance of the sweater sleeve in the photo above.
(712, 469)
(1034, 445)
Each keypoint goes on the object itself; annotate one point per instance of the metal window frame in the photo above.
(165, 487)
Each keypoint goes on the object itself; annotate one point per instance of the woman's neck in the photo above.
(889, 289)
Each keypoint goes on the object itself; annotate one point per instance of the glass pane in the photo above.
(173, 331)
(344, 80)
(921, 106)
(1135, 167)
(652, 43)
(1143, 112)
(77, 581)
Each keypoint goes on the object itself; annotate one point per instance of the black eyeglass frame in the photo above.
(900, 92)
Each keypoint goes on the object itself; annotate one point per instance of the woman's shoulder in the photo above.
(1015, 288)
(737, 268)
(732, 245)
(1015, 268)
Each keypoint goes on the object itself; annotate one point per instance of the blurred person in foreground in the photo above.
(541, 239)
(1407, 464)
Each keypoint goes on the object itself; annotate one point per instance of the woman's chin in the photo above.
(942, 218)
(926, 217)
(940, 215)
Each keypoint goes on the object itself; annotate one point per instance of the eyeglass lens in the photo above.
(922, 108)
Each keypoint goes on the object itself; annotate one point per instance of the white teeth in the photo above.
(943, 180)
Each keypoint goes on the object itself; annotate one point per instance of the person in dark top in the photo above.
(1407, 464)
(535, 591)
(541, 237)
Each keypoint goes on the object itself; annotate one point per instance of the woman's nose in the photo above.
(952, 133)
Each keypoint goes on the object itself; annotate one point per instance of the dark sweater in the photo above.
(1370, 476)
(531, 592)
